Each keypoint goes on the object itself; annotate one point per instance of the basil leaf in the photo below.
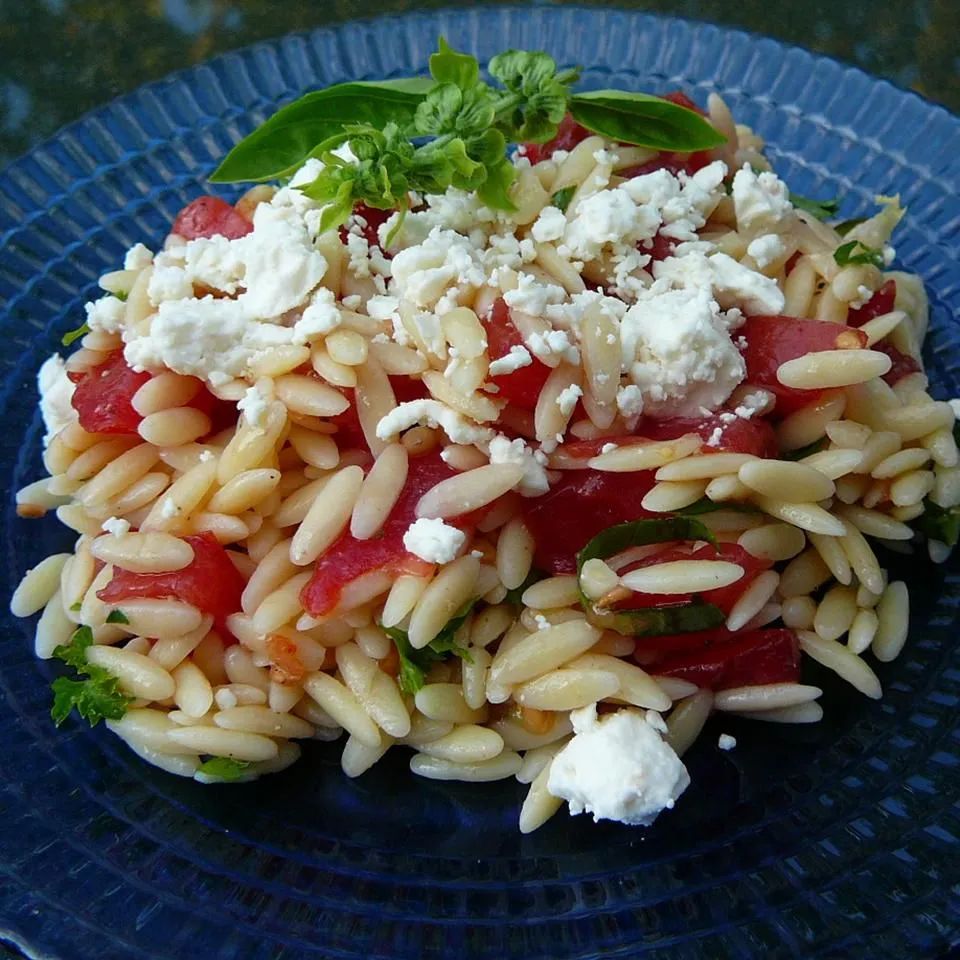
(285, 141)
(449, 66)
(561, 199)
(644, 120)
(68, 338)
(117, 616)
(857, 253)
(845, 226)
(223, 768)
(821, 209)
(495, 190)
(939, 523)
(706, 505)
(648, 621)
(97, 696)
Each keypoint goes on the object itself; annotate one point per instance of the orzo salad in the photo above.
(518, 428)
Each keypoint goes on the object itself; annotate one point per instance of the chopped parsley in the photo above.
(117, 616)
(224, 768)
(69, 338)
(561, 199)
(95, 694)
(821, 209)
(856, 253)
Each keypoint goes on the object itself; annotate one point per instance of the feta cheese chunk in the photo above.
(116, 526)
(433, 540)
(534, 480)
(617, 767)
(766, 249)
(432, 413)
(56, 390)
(105, 314)
(137, 257)
(761, 201)
(516, 358)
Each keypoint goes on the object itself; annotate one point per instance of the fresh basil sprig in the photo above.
(648, 621)
(856, 253)
(821, 209)
(452, 130)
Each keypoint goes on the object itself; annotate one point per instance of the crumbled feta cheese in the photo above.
(554, 343)
(433, 540)
(115, 526)
(541, 621)
(320, 318)
(534, 480)
(255, 404)
(608, 217)
(761, 201)
(608, 448)
(679, 354)
(422, 273)
(517, 357)
(169, 509)
(549, 226)
(766, 249)
(353, 301)
(307, 173)
(169, 280)
(630, 401)
(533, 297)
(137, 257)
(215, 263)
(733, 284)
(567, 399)
(864, 295)
(432, 413)
(726, 742)
(56, 390)
(617, 767)
(105, 314)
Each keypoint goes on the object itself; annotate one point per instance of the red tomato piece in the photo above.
(749, 659)
(211, 582)
(772, 340)
(349, 432)
(660, 247)
(374, 220)
(651, 649)
(347, 559)
(523, 386)
(903, 365)
(569, 134)
(210, 217)
(103, 394)
(723, 597)
(754, 436)
(577, 508)
(881, 302)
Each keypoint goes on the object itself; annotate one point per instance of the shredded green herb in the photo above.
(561, 199)
(117, 616)
(821, 209)
(223, 768)
(69, 338)
(96, 696)
(856, 253)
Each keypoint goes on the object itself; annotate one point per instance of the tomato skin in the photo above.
(750, 658)
(209, 217)
(577, 508)
(772, 340)
(522, 386)
(569, 134)
(903, 365)
(103, 393)
(882, 301)
(211, 582)
(754, 436)
(347, 558)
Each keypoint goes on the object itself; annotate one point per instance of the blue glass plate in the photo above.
(840, 840)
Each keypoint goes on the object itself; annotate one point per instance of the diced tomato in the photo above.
(903, 365)
(723, 597)
(792, 262)
(660, 247)
(577, 508)
(748, 659)
(350, 433)
(523, 386)
(103, 394)
(211, 582)
(881, 302)
(210, 217)
(651, 649)
(569, 134)
(374, 218)
(772, 340)
(347, 559)
(754, 436)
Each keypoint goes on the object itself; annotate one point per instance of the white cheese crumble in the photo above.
(550, 225)
(567, 399)
(320, 317)
(617, 767)
(137, 257)
(761, 201)
(726, 742)
(433, 540)
(105, 314)
(115, 526)
(534, 480)
(533, 297)
(516, 358)
(766, 249)
(56, 390)
(432, 413)
(255, 404)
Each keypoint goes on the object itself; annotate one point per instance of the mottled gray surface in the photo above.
(59, 58)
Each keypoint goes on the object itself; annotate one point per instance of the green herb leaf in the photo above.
(224, 768)
(290, 137)
(537, 96)
(939, 523)
(561, 199)
(122, 295)
(95, 698)
(856, 253)
(414, 664)
(649, 621)
(77, 606)
(495, 190)
(706, 505)
(821, 209)
(69, 338)
(644, 120)
(449, 66)
(117, 616)
(845, 226)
